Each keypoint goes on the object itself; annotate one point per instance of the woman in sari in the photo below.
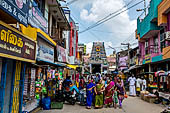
(121, 91)
(109, 93)
(89, 93)
(99, 94)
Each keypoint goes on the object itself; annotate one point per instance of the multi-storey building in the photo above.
(148, 34)
(39, 26)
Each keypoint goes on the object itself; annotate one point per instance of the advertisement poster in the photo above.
(32, 85)
(36, 18)
(61, 53)
(25, 93)
(45, 51)
(123, 61)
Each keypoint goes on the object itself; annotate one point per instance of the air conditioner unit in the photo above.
(167, 35)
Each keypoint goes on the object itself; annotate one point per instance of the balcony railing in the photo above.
(152, 49)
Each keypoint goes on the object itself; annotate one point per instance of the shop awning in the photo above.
(161, 73)
(50, 63)
(134, 67)
(73, 66)
(45, 36)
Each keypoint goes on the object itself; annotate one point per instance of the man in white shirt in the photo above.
(138, 86)
(144, 84)
(132, 89)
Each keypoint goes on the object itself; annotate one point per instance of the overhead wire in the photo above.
(85, 27)
(110, 17)
(113, 13)
(71, 2)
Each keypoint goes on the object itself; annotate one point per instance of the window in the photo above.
(146, 47)
(155, 46)
(162, 39)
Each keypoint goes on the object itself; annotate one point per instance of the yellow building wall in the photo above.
(162, 8)
(166, 52)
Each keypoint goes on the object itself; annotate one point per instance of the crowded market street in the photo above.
(131, 105)
(84, 56)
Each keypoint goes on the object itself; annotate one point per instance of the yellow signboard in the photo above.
(148, 58)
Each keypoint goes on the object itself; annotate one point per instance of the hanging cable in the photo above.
(110, 18)
(113, 13)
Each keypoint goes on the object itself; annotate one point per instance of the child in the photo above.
(115, 97)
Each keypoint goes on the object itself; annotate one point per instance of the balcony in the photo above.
(58, 13)
(152, 49)
(166, 52)
(148, 26)
(163, 9)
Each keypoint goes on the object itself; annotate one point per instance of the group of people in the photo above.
(104, 91)
(136, 85)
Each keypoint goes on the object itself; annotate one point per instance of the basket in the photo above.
(56, 105)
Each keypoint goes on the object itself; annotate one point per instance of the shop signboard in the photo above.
(36, 18)
(147, 59)
(61, 53)
(123, 61)
(17, 9)
(15, 45)
(45, 51)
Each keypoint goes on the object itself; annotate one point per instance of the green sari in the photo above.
(99, 96)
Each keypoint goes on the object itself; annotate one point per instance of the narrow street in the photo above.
(130, 105)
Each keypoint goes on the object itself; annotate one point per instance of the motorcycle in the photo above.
(67, 96)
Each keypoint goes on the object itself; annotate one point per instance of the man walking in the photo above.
(132, 89)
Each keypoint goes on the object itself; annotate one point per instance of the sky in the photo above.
(120, 29)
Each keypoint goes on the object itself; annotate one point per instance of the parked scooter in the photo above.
(67, 96)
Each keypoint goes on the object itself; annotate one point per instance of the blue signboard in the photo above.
(36, 18)
(16, 8)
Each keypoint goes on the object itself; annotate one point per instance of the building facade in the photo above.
(33, 49)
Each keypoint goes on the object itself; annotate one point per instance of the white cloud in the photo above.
(86, 16)
(93, 10)
(101, 8)
(89, 47)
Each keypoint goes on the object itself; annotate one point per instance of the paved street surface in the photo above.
(130, 105)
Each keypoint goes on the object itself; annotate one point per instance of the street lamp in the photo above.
(144, 8)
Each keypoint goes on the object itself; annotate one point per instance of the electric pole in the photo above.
(145, 6)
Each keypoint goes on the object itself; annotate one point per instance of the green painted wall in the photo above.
(146, 24)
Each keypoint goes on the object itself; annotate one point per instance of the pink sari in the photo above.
(109, 93)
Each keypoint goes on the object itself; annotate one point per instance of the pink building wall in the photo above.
(150, 42)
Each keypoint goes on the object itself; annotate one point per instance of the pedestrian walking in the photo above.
(132, 89)
(115, 97)
(109, 93)
(89, 93)
(121, 92)
(99, 94)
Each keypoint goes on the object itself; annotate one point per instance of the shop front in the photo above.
(17, 51)
(42, 77)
